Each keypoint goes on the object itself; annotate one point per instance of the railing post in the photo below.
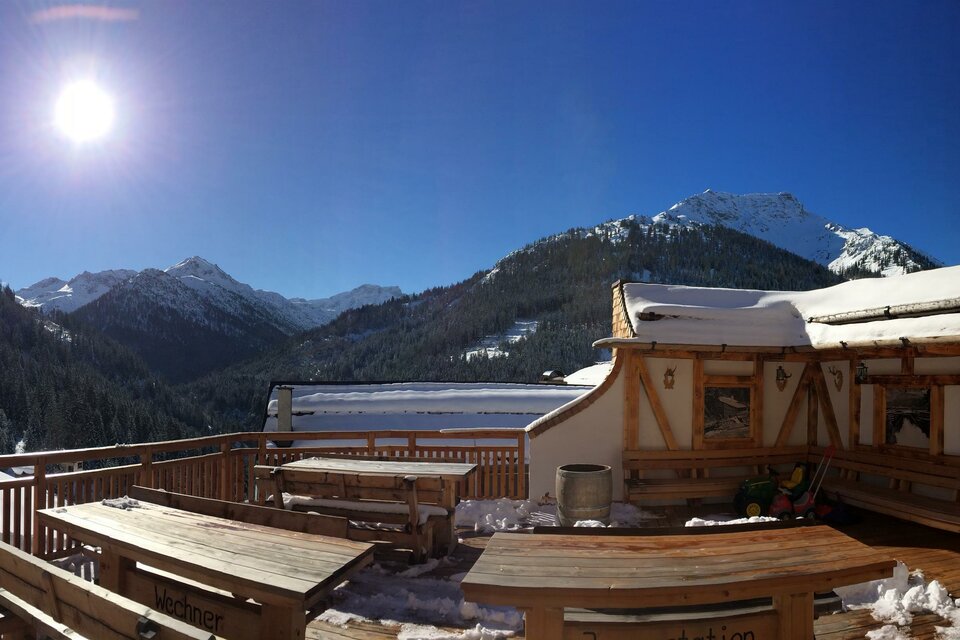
(522, 465)
(39, 502)
(371, 442)
(146, 469)
(226, 478)
(262, 449)
(412, 444)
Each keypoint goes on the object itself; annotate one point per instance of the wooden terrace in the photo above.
(224, 468)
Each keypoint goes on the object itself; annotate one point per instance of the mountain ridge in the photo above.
(201, 275)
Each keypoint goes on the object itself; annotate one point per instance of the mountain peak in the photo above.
(781, 219)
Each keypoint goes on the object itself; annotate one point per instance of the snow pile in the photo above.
(895, 600)
(121, 503)
(628, 515)
(487, 516)
(722, 519)
(418, 603)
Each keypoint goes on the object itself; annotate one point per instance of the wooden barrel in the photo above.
(584, 492)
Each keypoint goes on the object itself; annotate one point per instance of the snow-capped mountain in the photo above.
(213, 284)
(70, 295)
(782, 220)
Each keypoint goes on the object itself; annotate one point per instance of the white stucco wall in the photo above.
(592, 436)
(677, 404)
(776, 402)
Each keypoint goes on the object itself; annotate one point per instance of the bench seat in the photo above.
(357, 509)
(392, 511)
(932, 512)
(704, 473)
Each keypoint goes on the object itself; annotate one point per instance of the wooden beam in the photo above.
(879, 416)
(826, 403)
(756, 405)
(663, 422)
(853, 411)
(631, 401)
(729, 381)
(902, 380)
(936, 420)
(793, 409)
(813, 413)
(906, 362)
(697, 435)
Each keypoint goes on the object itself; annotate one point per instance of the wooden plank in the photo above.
(853, 410)
(224, 616)
(631, 401)
(281, 519)
(543, 623)
(621, 571)
(879, 417)
(86, 608)
(698, 417)
(826, 404)
(813, 414)
(663, 422)
(756, 403)
(758, 626)
(901, 380)
(936, 420)
(795, 612)
(232, 559)
(793, 409)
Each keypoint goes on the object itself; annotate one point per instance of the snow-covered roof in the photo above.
(920, 306)
(420, 405)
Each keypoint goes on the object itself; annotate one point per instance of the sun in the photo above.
(84, 112)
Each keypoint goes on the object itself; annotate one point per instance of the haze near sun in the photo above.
(84, 112)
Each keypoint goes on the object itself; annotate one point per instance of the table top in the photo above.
(547, 570)
(423, 469)
(264, 563)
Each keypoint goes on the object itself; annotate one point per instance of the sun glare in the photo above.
(84, 112)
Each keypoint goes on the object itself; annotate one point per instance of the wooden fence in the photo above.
(222, 467)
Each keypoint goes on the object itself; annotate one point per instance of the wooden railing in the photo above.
(222, 467)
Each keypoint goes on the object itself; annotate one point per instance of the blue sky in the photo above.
(309, 147)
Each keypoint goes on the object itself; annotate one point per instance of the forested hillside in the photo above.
(63, 386)
(562, 282)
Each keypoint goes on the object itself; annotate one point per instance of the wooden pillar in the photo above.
(795, 613)
(543, 624)
(813, 413)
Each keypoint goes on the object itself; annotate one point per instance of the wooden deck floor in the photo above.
(936, 553)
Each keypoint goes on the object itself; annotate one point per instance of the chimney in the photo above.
(285, 408)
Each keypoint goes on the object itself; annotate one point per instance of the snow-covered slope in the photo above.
(67, 296)
(782, 220)
(211, 284)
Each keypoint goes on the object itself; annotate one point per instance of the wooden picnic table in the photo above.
(448, 474)
(206, 570)
(543, 574)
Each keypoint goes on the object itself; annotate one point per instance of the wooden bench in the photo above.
(58, 604)
(313, 523)
(917, 489)
(704, 473)
(402, 512)
(553, 578)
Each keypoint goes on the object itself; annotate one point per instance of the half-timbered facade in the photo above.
(871, 367)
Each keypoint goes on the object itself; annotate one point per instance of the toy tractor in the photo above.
(756, 495)
(795, 497)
